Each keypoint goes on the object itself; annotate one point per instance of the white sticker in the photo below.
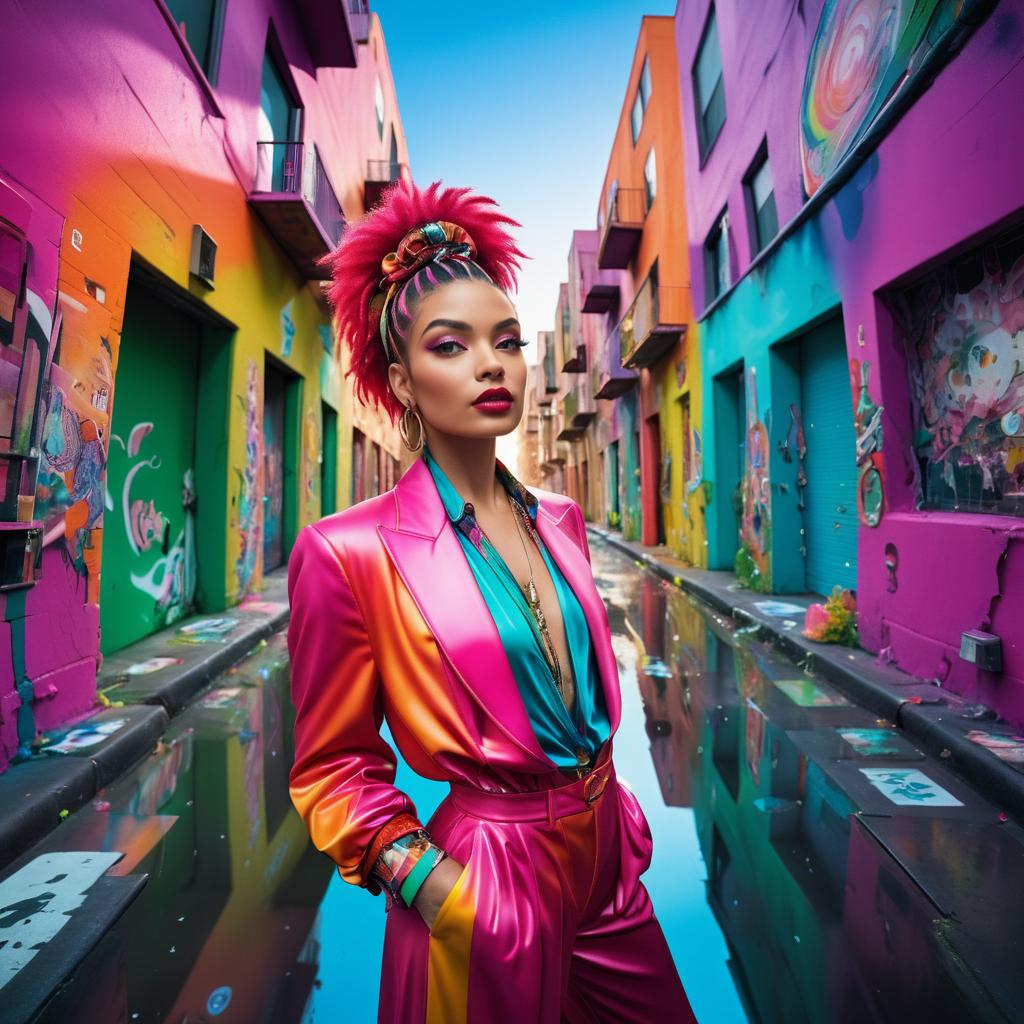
(909, 787)
(37, 901)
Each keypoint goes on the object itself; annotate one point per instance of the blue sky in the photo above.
(524, 109)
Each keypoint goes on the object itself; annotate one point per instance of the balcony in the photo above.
(576, 363)
(327, 26)
(613, 379)
(380, 174)
(623, 225)
(599, 287)
(654, 324)
(576, 416)
(294, 198)
(359, 20)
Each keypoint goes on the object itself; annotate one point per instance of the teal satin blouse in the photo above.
(567, 739)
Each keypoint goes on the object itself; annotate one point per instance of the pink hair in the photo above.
(355, 267)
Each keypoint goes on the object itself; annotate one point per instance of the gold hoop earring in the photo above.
(403, 429)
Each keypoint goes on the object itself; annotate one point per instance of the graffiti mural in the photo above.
(250, 485)
(864, 51)
(312, 457)
(752, 560)
(870, 460)
(964, 331)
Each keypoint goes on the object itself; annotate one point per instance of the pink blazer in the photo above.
(387, 622)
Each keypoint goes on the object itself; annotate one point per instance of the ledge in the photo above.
(937, 719)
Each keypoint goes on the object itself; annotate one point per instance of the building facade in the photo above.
(173, 411)
(855, 232)
(640, 291)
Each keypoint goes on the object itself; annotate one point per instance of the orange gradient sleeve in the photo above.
(342, 779)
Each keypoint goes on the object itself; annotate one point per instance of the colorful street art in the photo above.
(870, 458)
(312, 457)
(863, 52)
(250, 484)
(753, 559)
(964, 331)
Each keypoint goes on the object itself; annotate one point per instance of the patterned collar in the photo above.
(461, 513)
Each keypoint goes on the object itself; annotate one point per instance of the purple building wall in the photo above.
(942, 186)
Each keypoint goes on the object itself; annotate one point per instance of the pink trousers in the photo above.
(548, 921)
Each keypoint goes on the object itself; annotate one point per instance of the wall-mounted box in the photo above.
(21, 549)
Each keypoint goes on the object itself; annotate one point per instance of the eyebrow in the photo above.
(461, 325)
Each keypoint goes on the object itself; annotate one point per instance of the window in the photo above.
(717, 277)
(761, 203)
(636, 119)
(378, 106)
(966, 383)
(645, 83)
(650, 178)
(278, 165)
(708, 90)
(643, 95)
(201, 23)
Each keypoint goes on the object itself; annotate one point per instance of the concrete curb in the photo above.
(35, 794)
(938, 720)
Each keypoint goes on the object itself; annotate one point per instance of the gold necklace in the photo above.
(533, 600)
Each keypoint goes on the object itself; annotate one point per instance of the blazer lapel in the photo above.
(429, 558)
(579, 575)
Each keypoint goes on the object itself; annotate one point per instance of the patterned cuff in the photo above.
(399, 859)
(398, 826)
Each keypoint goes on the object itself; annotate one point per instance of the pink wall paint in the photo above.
(108, 129)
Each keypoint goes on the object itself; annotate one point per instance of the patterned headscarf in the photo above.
(415, 267)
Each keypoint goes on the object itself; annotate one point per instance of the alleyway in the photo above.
(810, 865)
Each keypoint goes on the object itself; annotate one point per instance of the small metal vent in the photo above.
(204, 254)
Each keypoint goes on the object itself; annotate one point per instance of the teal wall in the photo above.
(788, 294)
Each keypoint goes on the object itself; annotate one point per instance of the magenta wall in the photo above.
(944, 179)
(117, 147)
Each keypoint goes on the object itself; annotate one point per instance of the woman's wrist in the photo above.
(399, 862)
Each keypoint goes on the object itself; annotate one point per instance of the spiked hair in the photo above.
(355, 266)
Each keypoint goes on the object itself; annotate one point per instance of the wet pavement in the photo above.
(810, 863)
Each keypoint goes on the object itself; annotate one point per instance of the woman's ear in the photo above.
(398, 377)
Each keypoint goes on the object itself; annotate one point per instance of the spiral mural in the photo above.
(863, 51)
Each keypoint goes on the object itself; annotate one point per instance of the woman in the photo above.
(461, 607)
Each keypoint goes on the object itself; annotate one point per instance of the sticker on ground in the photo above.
(808, 694)
(37, 901)
(909, 787)
(873, 742)
(779, 609)
(85, 736)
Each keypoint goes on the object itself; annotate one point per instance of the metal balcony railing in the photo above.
(599, 289)
(359, 19)
(614, 380)
(653, 324)
(295, 199)
(623, 225)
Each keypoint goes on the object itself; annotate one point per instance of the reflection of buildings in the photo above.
(836, 908)
(230, 910)
(671, 646)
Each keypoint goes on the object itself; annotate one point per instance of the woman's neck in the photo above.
(469, 463)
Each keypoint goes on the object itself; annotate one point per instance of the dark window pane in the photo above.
(194, 19)
(713, 117)
(767, 222)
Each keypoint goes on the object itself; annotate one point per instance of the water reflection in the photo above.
(793, 886)
(842, 895)
(227, 925)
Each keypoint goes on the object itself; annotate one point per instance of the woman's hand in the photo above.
(435, 889)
